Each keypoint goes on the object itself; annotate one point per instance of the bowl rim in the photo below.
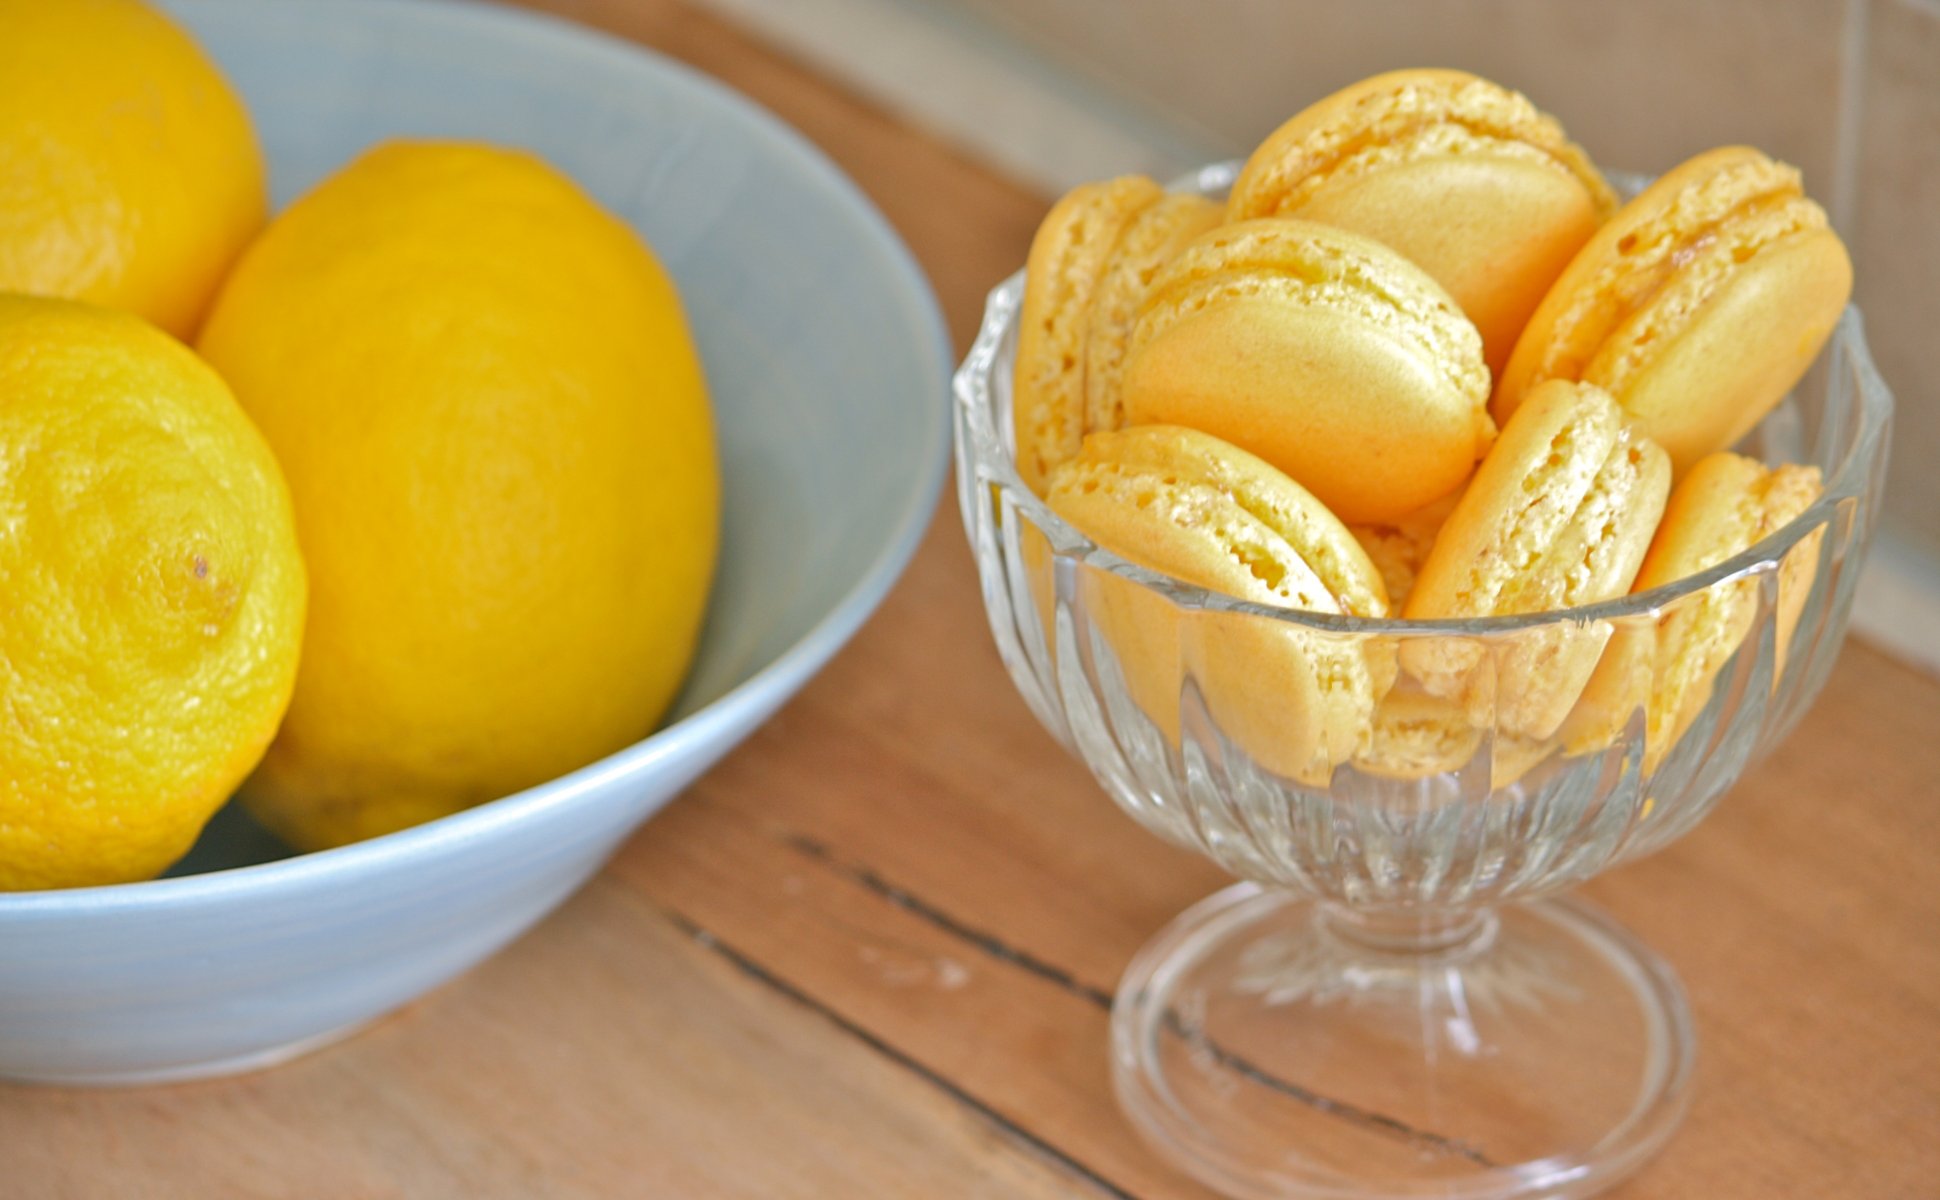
(765, 688)
(995, 467)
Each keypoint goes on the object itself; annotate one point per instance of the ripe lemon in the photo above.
(151, 595)
(129, 172)
(494, 424)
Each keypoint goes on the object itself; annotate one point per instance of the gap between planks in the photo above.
(961, 1095)
(819, 855)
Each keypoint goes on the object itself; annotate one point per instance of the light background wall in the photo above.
(1059, 91)
(1848, 92)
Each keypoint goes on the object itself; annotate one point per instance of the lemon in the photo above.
(129, 172)
(483, 393)
(151, 595)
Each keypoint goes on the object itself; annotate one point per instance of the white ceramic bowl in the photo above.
(828, 363)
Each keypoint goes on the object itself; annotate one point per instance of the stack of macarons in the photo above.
(1421, 364)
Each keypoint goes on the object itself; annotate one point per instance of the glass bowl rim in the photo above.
(995, 466)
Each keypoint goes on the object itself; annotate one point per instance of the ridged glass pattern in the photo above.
(1167, 691)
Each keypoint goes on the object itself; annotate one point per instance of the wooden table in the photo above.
(870, 955)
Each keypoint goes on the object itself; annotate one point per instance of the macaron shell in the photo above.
(1330, 135)
(1322, 266)
(1465, 178)
(1667, 295)
(1388, 439)
(1632, 257)
(1503, 230)
(1322, 352)
(1568, 484)
(1183, 502)
(1706, 385)
(1068, 256)
(1698, 305)
(1153, 238)
(1176, 502)
(1618, 692)
(1719, 509)
(1725, 505)
(1296, 702)
(1560, 514)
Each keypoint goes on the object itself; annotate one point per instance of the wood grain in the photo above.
(871, 953)
(703, 1076)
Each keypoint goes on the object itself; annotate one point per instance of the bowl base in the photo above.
(238, 1064)
(1278, 1050)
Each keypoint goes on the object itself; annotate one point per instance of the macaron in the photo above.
(1399, 547)
(1148, 243)
(1698, 306)
(1188, 505)
(1464, 177)
(1724, 506)
(1416, 734)
(1560, 514)
(1089, 263)
(1321, 351)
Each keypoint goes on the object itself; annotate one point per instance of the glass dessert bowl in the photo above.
(1394, 1002)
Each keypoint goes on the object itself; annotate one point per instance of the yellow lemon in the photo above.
(482, 390)
(129, 173)
(151, 595)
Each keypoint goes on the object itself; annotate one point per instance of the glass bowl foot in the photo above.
(1279, 1048)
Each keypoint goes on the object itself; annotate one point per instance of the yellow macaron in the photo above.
(1191, 506)
(1416, 734)
(1462, 176)
(1148, 243)
(1560, 515)
(1697, 306)
(1089, 263)
(1321, 351)
(1725, 505)
(1399, 547)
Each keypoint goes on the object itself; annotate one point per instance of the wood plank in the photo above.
(619, 1054)
(1817, 989)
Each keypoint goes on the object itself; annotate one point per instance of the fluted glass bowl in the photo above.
(1388, 1005)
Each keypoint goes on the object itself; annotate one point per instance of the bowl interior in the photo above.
(822, 344)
